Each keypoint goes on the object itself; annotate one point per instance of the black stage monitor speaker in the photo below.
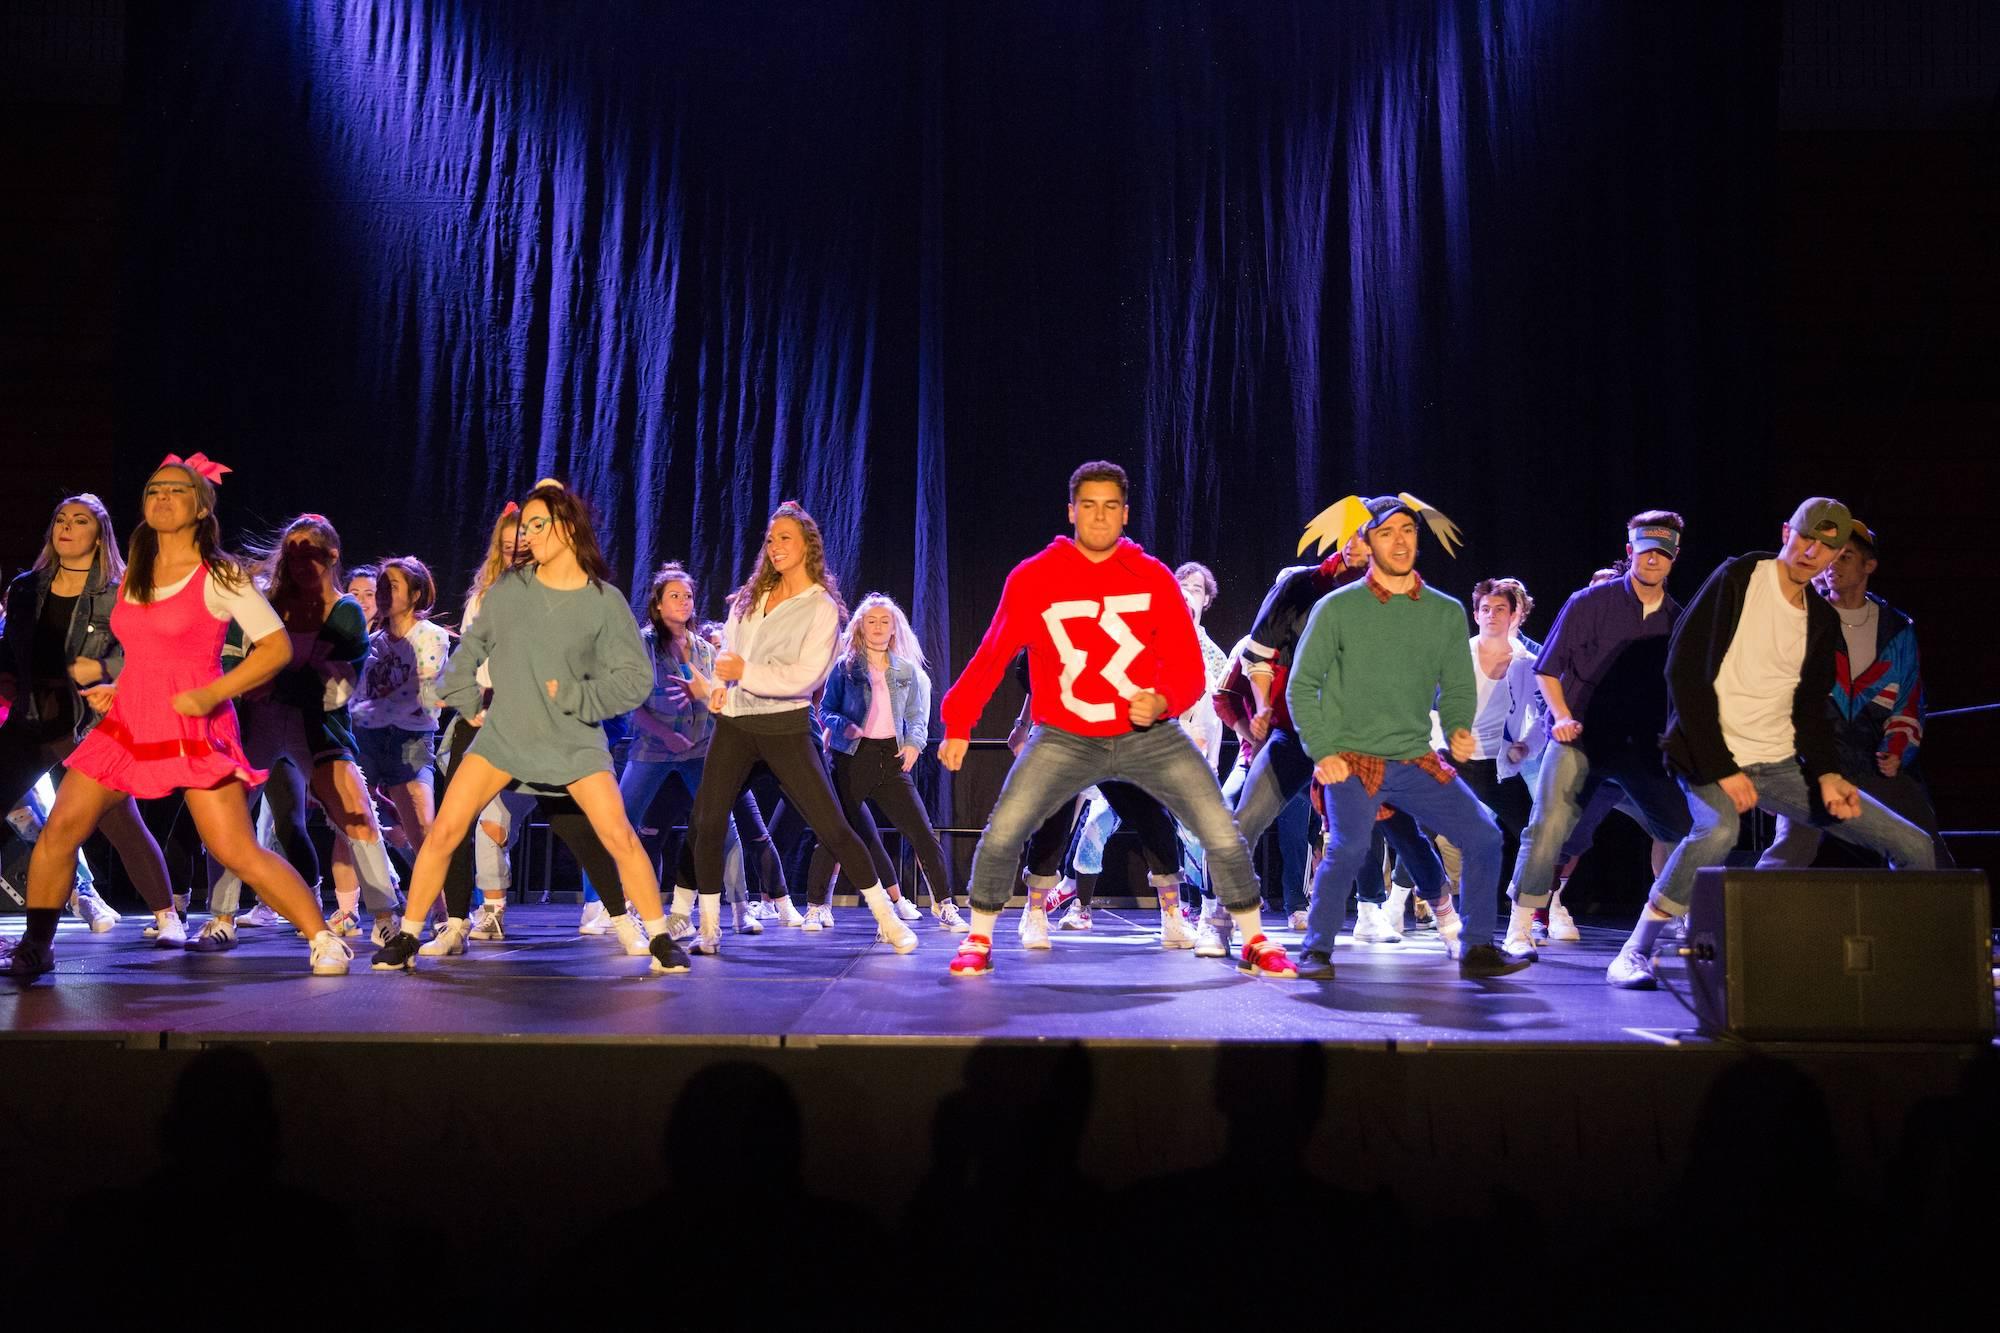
(1842, 955)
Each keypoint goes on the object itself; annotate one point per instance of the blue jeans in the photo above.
(1446, 808)
(1781, 789)
(638, 787)
(1568, 782)
(1055, 765)
(1288, 832)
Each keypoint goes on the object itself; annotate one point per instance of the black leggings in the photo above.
(1159, 838)
(763, 873)
(1048, 846)
(566, 821)
(874, 772)
(782, 743)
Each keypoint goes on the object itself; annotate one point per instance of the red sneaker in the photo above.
(1058, 898)
(974, 957)
(1263, 958)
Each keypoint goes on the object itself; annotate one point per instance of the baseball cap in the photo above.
(1825, 521)
(1381, 508)
(1866, 536)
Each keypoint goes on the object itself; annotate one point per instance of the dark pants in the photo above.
(566, 821)
(874, 772)
(782, 743)
(1159, 837)
(1510, 801)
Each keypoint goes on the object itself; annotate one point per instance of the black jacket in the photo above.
(89, 636)
(1694, 743)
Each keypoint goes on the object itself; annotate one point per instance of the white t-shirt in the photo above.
(1489, 716)
(242, 604)
(1860, 638)
(1760, 673)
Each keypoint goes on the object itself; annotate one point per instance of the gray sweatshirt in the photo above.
(528, 634)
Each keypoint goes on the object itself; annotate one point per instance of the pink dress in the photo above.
(143, 746)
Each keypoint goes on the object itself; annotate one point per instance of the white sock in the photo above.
(657, 926)
(1646, 933)
(684, 901)
(711, 913)
(1168, 889)
(412, 926)
(1249, 920)
(983, 922)
(877, 900)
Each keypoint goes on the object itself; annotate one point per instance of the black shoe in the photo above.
(26, 958)
(668, 956)
(1315, 966)
(1486, 960)
(399, 954)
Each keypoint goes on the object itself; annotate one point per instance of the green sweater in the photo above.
(1368, 672)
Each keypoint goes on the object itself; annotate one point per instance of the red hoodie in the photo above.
(1097, 632)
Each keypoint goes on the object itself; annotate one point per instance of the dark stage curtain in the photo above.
(910, 263)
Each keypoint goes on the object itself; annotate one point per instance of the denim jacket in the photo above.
(849, 693)
(690, 720)
(89, 636)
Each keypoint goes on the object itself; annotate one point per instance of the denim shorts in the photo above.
(391, 756)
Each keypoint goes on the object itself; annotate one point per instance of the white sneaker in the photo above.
(1034, 929)
(632, 935)
(260, 915)
(99, 915)
(344, 922)
(489, 922)
(783, 912)
(330, 955)
(1076, 918)
(1631, 970)
(1372, 925)
(444, 944)
(680, 926)
(708, 942)
(1175, 932)
(761, 910)
(906, 910)
(1562, 926)
(1520, 938)
(948, 918)
(746, 919)
(216, 936)
(172, 933)
(1450, 928)
(1212, 935)
(890, 926)
(1296, 921)
(818, 917)
(596, 919)
(380, 933)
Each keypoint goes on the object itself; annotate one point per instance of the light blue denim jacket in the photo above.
(690, 720)
(849, 692)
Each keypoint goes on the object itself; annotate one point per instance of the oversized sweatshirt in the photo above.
(1097, 633)
(1370, 665)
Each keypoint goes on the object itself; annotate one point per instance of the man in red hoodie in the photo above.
(1113, 660)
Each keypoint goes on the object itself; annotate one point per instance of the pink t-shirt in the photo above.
(881, 722)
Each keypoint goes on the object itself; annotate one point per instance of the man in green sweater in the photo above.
(1375, 658)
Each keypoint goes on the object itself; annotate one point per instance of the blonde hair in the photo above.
(499, 558)
(903, 643)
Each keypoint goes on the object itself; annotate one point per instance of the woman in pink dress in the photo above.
(170, 725)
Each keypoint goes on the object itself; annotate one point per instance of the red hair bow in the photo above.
(200, 464)
(511, 508)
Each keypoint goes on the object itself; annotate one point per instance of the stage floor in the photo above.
(789, 987)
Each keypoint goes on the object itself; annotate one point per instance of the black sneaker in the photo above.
(1314, 965)
(398, 955)
(1485, 960)
(668, 956)
(26, 958)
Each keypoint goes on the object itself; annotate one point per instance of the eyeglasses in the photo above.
(534, 527)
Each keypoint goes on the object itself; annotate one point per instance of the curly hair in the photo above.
(1515, 591)
(745, 598)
